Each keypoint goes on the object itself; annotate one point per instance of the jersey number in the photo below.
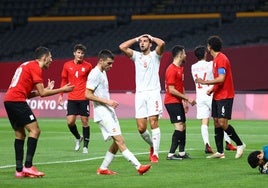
(16, 77)
(76, 74)
(204, 78)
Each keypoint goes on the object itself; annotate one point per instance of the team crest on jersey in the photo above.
(83, 69)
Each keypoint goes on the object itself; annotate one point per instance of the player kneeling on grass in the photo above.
(97, 90)
(259, 158)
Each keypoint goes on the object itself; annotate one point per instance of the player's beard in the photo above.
(144, 49)
(46, 65)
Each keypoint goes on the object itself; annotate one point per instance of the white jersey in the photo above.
(98, 82)
(204, 70)
(147, 71)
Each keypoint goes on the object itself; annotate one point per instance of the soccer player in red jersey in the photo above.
(223, 96)
(75, 72)
(176, 102)
(26, 83)
(204, 69)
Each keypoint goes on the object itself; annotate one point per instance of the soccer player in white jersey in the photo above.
(97, 90)
(148, 102)
(204, 69)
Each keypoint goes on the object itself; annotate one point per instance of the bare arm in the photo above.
(89, 94)
(44, 92)
(50, 85)
(175, 92)
(160, 45)
(125, 47)
(220, 79)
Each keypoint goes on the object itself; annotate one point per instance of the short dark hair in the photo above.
(105, 54)
(199, 52)
(215, 43)
(80, 47)
(176, 50)
(40, 52)
(253, 159)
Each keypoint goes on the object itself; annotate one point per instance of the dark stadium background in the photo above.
(98, 24)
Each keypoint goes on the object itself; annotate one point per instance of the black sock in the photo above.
(31, 147)
(182, 141)
(18, 145)
(74, 131)
(219, 139)
(174, 141)
(86, 135)
(233, 135)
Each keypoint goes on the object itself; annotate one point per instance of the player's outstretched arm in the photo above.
(44, 92)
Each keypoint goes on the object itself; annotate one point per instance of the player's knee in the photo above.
(141, 129)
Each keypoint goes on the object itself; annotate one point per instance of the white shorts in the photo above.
(148, 103)
(109, 125)
(203, 108)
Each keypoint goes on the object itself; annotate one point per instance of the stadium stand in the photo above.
(19, 34)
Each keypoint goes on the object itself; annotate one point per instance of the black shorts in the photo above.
(78, 107)
(176, 112)
(222, 108)
(19, 114)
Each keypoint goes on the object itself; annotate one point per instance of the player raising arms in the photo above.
(27, 83)
(148, 102)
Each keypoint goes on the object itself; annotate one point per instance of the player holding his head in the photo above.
(27, 83)
(148, 102)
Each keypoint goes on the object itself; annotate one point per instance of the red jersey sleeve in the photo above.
(24, 80)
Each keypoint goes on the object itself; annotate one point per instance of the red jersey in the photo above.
(174, 76)
(76, 74)
(224, 90)
(24, 80)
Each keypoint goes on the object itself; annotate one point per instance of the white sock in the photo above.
(131, 158)
(204, 133)
(156, 140)
(227, 138)
(182, 153)
(170, 154)
(107, 160)
(147, 137)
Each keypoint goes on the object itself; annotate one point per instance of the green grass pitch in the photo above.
(66, 168)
